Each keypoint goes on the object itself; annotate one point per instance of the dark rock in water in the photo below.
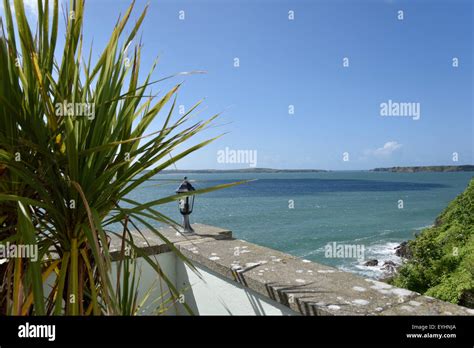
(373, 262)
(389, 270)
(389, 263)
(390, 267)
(403, 250)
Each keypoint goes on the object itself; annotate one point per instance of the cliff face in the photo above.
(442, 262)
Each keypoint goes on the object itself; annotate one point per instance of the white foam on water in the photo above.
(382, 252)
(423, 227)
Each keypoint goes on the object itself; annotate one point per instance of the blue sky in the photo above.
(300, 62)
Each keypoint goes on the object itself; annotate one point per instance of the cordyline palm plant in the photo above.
(64, 177)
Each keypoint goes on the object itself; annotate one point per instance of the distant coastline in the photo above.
(463, 168)
(415, 169)
(245, 170)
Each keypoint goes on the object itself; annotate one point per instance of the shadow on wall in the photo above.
(214, 295)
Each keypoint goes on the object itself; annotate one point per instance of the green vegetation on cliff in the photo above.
(442, 262)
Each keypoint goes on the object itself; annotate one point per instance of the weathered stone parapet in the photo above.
(306, 287)
(154, 244)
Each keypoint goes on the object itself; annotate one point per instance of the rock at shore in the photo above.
(373, 262)
(403, 250)
(390, 267)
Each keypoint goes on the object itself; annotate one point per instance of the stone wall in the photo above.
(237, 277)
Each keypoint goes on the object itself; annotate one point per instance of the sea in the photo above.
(311, 214)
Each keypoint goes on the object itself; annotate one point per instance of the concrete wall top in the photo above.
(306, 287)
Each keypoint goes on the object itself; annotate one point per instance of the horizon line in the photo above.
(319, 169)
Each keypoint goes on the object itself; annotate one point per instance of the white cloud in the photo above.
(386, 150)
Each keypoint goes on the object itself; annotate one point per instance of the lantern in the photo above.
(186, 204)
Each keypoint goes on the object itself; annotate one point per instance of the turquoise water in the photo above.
(359, 208)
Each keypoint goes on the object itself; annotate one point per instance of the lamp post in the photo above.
(186, 204)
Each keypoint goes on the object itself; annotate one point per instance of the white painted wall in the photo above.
(211, 295)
